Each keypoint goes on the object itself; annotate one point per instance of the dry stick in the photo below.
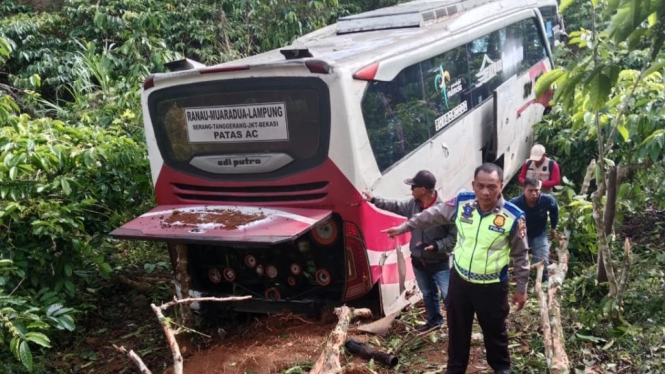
(170, 335)
(134, 357)
(328, 362)
(544, 313)
(406, 342)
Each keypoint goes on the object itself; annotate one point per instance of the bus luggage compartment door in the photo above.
(221, 223)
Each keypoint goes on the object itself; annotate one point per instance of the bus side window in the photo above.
(551, 22)
(447, 86)
(397, 116)
(534, 47)
(485, 65)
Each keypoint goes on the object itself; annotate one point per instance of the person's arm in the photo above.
(519, 253)
(555, 177)
(447, 243)
(395, 206)
(522, 176)
(554, 213)
(439, 214)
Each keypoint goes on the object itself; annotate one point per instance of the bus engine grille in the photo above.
(253, 194)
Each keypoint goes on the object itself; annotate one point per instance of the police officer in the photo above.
(491, 231)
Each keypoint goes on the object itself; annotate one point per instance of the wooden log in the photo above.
(544, 313)
(328, 362)
(560, 362)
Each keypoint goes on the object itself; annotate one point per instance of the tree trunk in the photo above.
(544, 313)
(608, 218)
(328, 362)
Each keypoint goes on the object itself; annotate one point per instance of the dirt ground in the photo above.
(276, 343)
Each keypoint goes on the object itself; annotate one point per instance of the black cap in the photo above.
(423, 179)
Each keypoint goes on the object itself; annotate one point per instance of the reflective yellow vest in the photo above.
(482, 251)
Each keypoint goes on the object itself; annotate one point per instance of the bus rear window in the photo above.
(243, 116)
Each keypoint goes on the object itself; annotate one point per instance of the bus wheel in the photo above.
(271, 271)
(214, 275)
(229, 274)
(323, 277)
(250, 261)
(296, 269)
(272, 293)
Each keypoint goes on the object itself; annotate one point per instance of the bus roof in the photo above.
(359, 40)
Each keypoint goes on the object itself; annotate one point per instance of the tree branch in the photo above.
(544, 313)
(587, 177)
(134, 357)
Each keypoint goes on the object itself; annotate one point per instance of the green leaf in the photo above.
(52, 309)
(25, 355)
(654, 68)
(12, 172)
(546, 80)
(68, 270)
(65, 186)
(598, 90)
(14, 346)
(565, 4)
(623, 131)
(38, 338)
(67, 322)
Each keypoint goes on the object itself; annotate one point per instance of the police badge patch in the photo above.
(499, 220)
(452, 202)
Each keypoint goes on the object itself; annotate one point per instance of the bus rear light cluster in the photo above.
(358, 276)
(260, 270)
(272, 294)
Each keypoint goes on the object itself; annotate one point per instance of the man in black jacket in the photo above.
(430, 248)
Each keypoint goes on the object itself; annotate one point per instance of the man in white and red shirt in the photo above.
(542, 168)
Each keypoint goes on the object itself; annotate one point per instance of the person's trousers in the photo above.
(430, 283)
(490, 303)
(540, 249)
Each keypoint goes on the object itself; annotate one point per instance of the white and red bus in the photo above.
(258, 164)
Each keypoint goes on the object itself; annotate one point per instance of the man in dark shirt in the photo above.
(430, 247)
(536, 205)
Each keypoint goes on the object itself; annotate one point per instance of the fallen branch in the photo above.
(168, 331)
(560, 362)
(544, 313)
(328, 362)
(134, 357)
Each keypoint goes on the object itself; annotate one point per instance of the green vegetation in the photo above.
(73, 163)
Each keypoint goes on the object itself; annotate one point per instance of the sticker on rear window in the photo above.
(237, 123)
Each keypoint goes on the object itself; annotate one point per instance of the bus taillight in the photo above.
(358, 278)
(149, 82)
(367, 73)
(318, 66)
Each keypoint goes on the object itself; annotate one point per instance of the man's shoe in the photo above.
(427, 327)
